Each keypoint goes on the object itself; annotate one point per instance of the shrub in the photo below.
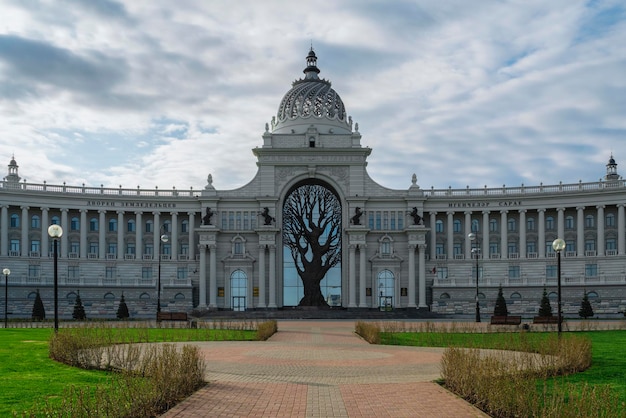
(586, 311)
(368, 331)
(500, 308)
(266, 329)
(39, 312)
(545, 309)
(79, 309)
(122, 309)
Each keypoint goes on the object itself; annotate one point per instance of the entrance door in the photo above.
(239, 303)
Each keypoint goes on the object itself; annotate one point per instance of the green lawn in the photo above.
(29, 376)
(609, 360)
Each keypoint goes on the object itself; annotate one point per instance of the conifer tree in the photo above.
(545, 309)
(586, 311)
(79, 310)
(122, 309)
(39, 312)
(500, 308)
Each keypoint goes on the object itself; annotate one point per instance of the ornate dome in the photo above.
(311, 101)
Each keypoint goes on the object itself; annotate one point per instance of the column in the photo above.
(522, 233)
(192, 226)
(174, 236)
(4, 230)
(24, 239)
(101, 236)
(212, 276)
(412, 276)
(450, 236)
(433, 236)
(83, 233)
(580, 231)
(352, 277)
(120, 234)
(362, 278)
(541, 238)
(45, 249)
(504, 235)
(66, 229)
(202, 278)
(261, 303)
(560, 223)
(272, 276)
(485, 248)
(600, 226)
(139, 237)
(156, 234)
(467, 230)
(421, 248)
(620, 228)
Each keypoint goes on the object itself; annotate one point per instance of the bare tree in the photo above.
(312, 231)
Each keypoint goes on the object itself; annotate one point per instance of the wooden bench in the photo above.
(171, 316)
(546, 320)
(506, 320)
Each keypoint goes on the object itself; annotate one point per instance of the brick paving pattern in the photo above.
(320, 369)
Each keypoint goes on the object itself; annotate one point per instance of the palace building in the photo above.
(399, 249)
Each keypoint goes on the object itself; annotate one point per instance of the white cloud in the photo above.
(461, 93)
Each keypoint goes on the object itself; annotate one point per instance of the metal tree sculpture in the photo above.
(312, 231)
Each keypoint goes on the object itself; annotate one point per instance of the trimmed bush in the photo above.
(39, 312)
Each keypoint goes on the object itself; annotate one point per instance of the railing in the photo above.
(514, 191)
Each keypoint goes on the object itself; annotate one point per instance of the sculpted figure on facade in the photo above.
(356, 219)
(417, 219)
(206, 219)
(267, 218)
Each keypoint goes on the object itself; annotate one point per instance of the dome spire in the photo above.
(311, 71)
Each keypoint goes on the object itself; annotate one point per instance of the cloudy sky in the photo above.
(162, 93)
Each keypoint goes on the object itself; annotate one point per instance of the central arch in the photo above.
(312, 228)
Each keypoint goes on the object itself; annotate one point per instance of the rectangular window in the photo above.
(93, 248)
(610, 244)
(458, 249)
(385, 220)
(224, 220)
(184, 249)
(109, 272)
(514, 272)
(392, 221)
(15, 245)
(112, 248)
(238, 220)
(246, 220)
(551, 272)
(512, 247)
(146, 272)
(440, 250)
(400, 220)
(181, 273)
(33, 271)
(35, 246)
(75, 247)
(149, 249)
(531, 247)
(72, 272)
(130, 248)
(231, 220)
(371, 219)
(442, 272)
(591, 270)
(493, 248)
(570, 246)
(378, 220)
(590, 245)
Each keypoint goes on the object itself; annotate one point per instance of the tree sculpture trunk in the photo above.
(312, 231)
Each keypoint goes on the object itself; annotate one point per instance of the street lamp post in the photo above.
(55, 232)
(6, 273)
(164, 239)
(558, 245)
(476, 253)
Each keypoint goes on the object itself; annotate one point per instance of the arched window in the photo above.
(112, 225)
(74, 224)
(238, 289)
(530, 224)
(549, 223)
(475, 225)
(184, 226)
(179, 296)
(55, 220)
(515, 296)
(457, 225)
(167, 227)
(444, 296)
(493, 225)
(386, 288)
(71, 295)
(592, 295)
(569, 222)
(144, 296)
(93, 224)
(149, 225)
(35, 222)
(439, 226)
(130, 225)
(385, 247)
(109, 296)
(15, 220)
(589, 221)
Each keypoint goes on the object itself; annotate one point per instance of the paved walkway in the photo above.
(320, 369)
